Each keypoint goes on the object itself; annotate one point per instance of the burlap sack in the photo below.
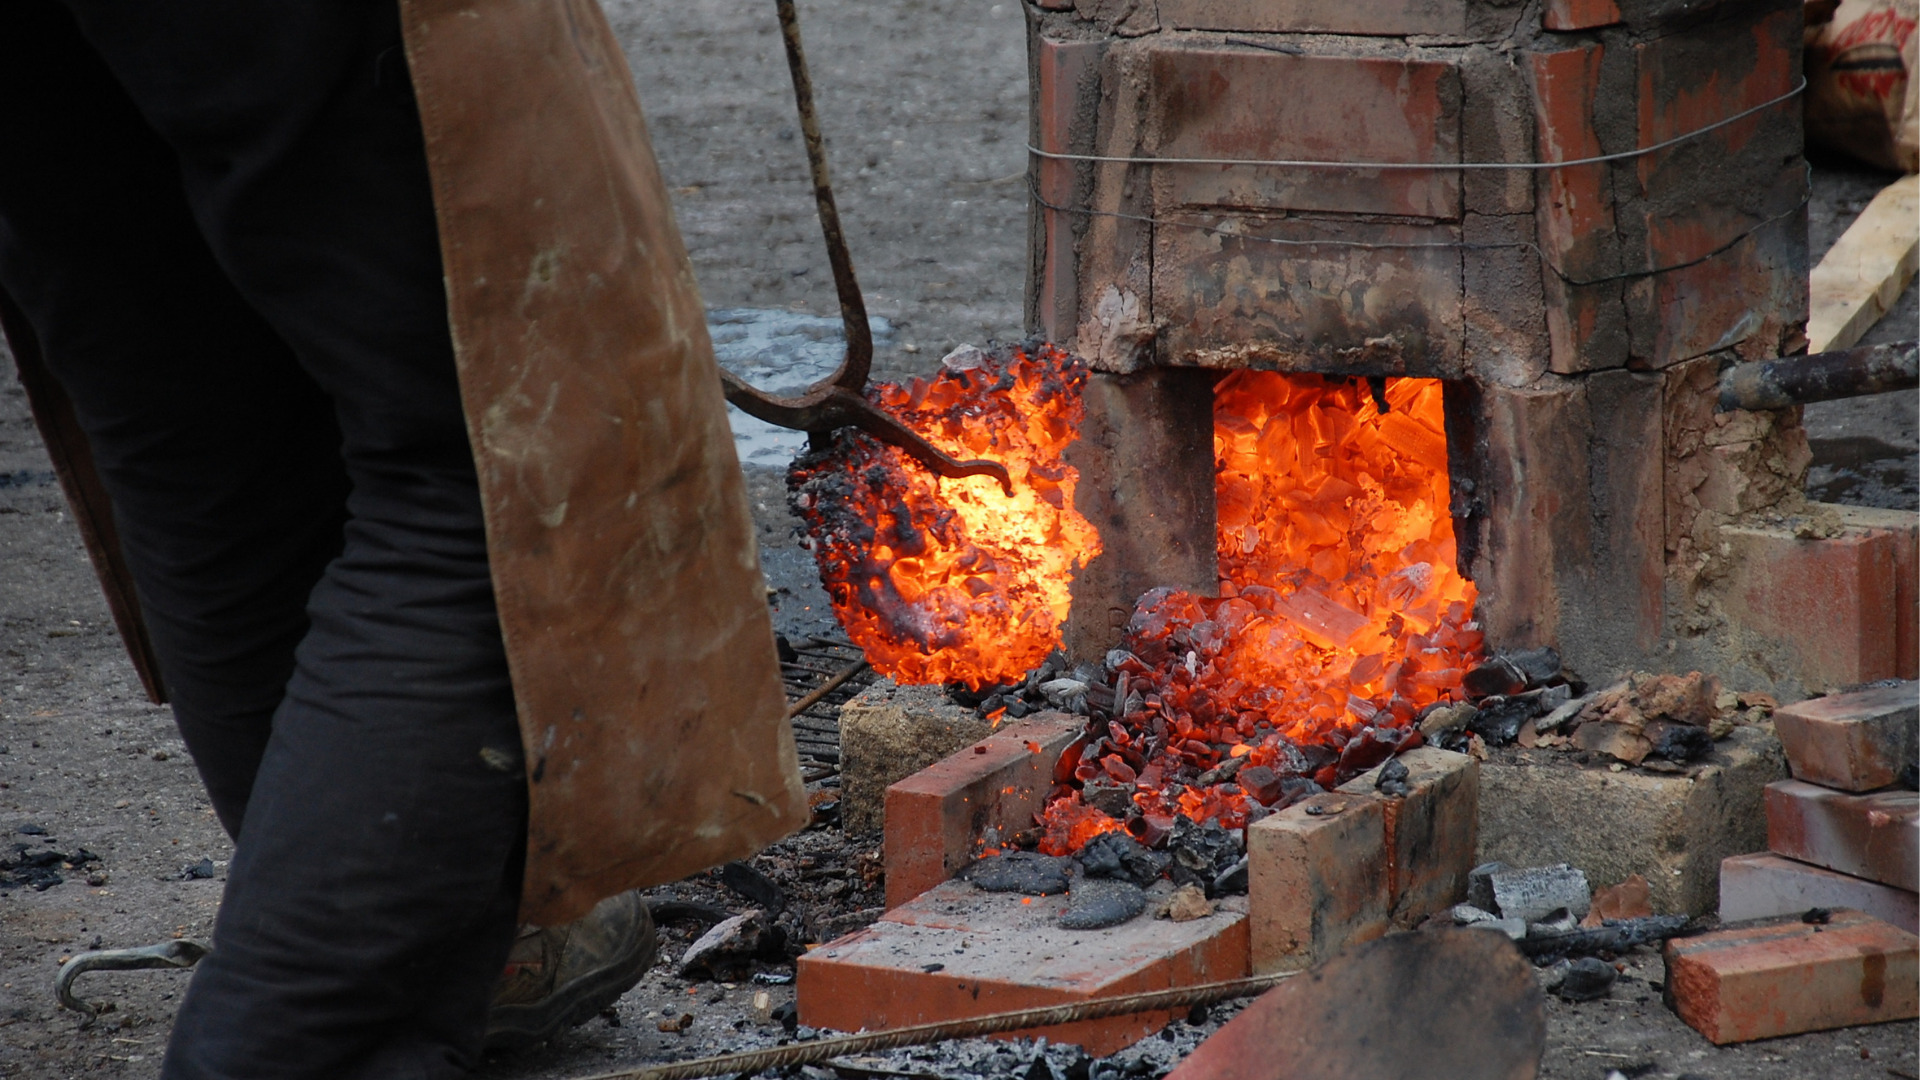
(1861, 100)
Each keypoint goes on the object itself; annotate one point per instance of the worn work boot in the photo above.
(560, 976)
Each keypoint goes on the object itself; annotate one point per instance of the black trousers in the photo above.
(215, 215)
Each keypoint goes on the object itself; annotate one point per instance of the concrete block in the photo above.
(1673, 829)
(888, 733)
(1857, 741)
(1762, 885)
(1785, 977)
(1874, 836)
(939, 818)
(1317, 880)
(1823, 605)
(957, 952)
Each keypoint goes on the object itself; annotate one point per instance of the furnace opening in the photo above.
(1340, 618)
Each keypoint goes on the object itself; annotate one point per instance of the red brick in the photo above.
(1001, 951)
(1241, 103)
(1431, 833)
(1761, 885)
(1874, 836)
(1065, 74)
(1347, 866)
(1317, 880)
(1382, 17)
(938, 818)
(1904, 526)
(1576, 212)
(1830, 601)
(1854, 742)
(1579, 14)
(1689, 80)
(1759, 981)
(1745, 297)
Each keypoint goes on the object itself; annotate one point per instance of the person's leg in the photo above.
(221, 454)
(370, 902)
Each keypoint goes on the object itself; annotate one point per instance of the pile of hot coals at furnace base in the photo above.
(1558, 921)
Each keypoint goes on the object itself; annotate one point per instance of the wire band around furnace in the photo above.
(1429, 166)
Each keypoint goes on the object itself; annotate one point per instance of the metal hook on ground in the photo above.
(837, 401)
(182, 953)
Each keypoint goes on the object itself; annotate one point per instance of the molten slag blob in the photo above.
(1340, 616)
(942, 580)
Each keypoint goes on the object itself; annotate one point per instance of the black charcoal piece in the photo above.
(750, 883)
(1392, 781)
(1094, 904)
(1540, 666)
(1679, 742)
(1480, 885)
(1587, 978)
(1233, 880)
(1119, 856)
(1111, 799)
(1499, 719)
(1494, 676)
(1026, 872)
(1200, 853)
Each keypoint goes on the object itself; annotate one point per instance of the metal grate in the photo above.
(817, 662)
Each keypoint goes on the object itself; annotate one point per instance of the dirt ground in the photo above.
(924, 105)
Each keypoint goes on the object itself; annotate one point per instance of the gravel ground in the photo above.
(924, 105)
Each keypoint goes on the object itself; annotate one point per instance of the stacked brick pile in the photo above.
(1843, 834)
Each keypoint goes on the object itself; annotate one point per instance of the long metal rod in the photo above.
(1802, 380)
(853, 308)
(826, 688)
(753, 1061)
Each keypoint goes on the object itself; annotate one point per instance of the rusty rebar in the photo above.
(807, 1053)
(1802, 380)
(826, 688)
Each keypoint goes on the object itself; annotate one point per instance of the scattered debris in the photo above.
(39, 869)
(1628, 900)
(1188, 903)
(729, 947)
(1586, 979)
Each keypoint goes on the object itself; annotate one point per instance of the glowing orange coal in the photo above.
(942, 580)
(1340, 614)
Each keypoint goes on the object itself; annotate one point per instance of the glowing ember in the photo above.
(943, 580)
(1340, 613)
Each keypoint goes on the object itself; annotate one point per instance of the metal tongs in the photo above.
(837, 401)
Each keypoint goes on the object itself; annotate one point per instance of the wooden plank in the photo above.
(1865, 272)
